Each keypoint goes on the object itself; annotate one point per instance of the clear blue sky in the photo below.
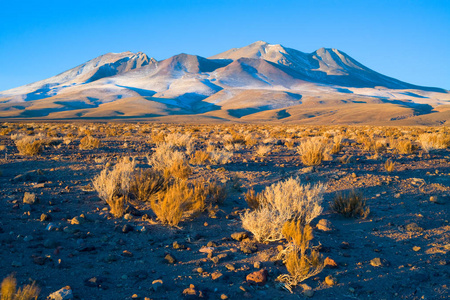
(408, 40)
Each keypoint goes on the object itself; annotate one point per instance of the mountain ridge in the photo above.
(194, 84)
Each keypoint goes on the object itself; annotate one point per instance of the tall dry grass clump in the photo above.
(312, 151)
(389, 165)
(113, 185)
(301, 261)
(170, 161)
(9, 291)
(147, 183)
(281, 202)
(434, 141)
(350, 205)
(403, 146)
(89, 143)
(173, 205)
(220, 157)
(29, 145)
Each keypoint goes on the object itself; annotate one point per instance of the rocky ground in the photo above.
(55, 230)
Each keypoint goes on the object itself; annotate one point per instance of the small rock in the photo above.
(28, 238)
(29, 198)
(416, 248)
(16, 264)
(175, 245)
(230, 267)
(94, 281)
(223, 297)
(127, 253)
(324, 225)
(239, 236)
(211, 244)
(258, 277)
(170, 259)
(51, 227)
(192, 291)
(248, 248)
(257, 265)
(75, 221)
(205, 249)
(216, 275)
(199, 270)
(330, 280)
(397, 196)
(376, 262)
(128, 217)
(157, 285)
(64, 293)
(413, 227)
(127, 228)
(45, 217)
(437, 200)
(39, 260)
(329, 262)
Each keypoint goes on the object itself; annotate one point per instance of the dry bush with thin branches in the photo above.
(29, 145)
(113, 186)
(220, 157)
(199, 157)
(170, 161)
(434, 141)
(403, 146)
(9, 290)
(253, 199)
(172, 206)
(179, 169)
(146, 183)
(89, 142)
(263, 150)
(350, 205)
(312, 151)
(283, 201)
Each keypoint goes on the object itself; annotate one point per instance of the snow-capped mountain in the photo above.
(258, 82)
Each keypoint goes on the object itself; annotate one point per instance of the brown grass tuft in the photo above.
(89, 142)
(146, 183)
(29, 146)
(8, 290)
(351, 205)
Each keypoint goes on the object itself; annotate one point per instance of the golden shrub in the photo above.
(350, 205)
(89, 142)
(29, 146)
(8, 290)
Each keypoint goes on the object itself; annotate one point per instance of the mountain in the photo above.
(260, 82)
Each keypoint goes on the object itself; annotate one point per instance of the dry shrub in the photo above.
(351, 205)
(403, 146)
(253, 199)
(283, 201)
(298, 234)
(263, 150)
(146, 183)
(173, 205)
(89, 142)
(220, 157)
(9, 290)
(433, 141)
(179, 169)
(113, 186)
(289, 144)
(312, 151)
(29, 145)
(389, 165)
(199, 157)
(337, 144)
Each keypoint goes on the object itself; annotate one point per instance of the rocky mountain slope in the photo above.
(257, 83)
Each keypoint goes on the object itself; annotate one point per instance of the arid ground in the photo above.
(57, 230)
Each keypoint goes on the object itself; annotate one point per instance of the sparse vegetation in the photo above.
(312, 151)
(389, 165)
(9, 290)
(350, 205)
(89, 142)
(29, 145)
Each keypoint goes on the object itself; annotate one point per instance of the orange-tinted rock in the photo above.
(258, 277)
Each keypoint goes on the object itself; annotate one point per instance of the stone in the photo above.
(16, 264)
(199, 270)
(39, 260)
(157, 285)
(330, 263)
(258, 277)
(127, 228)
(413, 227)
(94, 281)
(223, 297)
(75, 221)
(192, 291)
(178, 246)
(51, 227)
(324, 225)
(28, 238)
(64, 293)
(29, 198)
(230, 267)
(46, 217)
(257, 265)
(330, 280)
(376, 262)
(211, 244)
(128, 217)
(205, 249)
(239, 236)
(248, 248)
(416, 248)
(437, 200)
(170, 259)
(216, 275)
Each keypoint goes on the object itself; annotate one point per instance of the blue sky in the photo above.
(408, 40)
